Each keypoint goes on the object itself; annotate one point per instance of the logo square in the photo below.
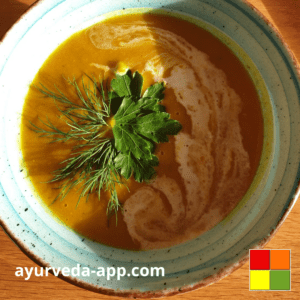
(280, 280)
(259, 259)
(280, 260)
(259, 280)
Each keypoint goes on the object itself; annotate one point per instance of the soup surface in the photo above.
(204, 171)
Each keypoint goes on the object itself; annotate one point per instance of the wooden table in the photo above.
(285, 14)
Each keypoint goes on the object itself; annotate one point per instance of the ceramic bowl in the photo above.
(216, 253)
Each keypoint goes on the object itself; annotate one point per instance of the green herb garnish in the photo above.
(116, 129)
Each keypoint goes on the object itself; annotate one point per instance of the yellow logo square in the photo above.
(259, 280)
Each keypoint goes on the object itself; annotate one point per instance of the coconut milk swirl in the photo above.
(212, 160)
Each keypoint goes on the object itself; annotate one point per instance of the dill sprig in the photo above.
(91, 164)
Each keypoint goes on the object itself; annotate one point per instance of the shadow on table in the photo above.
(11, 11)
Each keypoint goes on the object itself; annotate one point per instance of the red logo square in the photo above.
(259, 259)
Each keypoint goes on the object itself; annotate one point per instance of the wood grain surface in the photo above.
(285, 15)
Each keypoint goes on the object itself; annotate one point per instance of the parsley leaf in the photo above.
(157, 126)
(142, 168)
(140, 122)
(128, 85)
(155, 91)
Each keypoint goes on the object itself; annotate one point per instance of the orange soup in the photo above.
(203, 172)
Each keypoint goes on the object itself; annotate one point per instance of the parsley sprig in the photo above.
(105, 155)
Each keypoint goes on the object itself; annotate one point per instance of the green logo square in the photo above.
(280, 280)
